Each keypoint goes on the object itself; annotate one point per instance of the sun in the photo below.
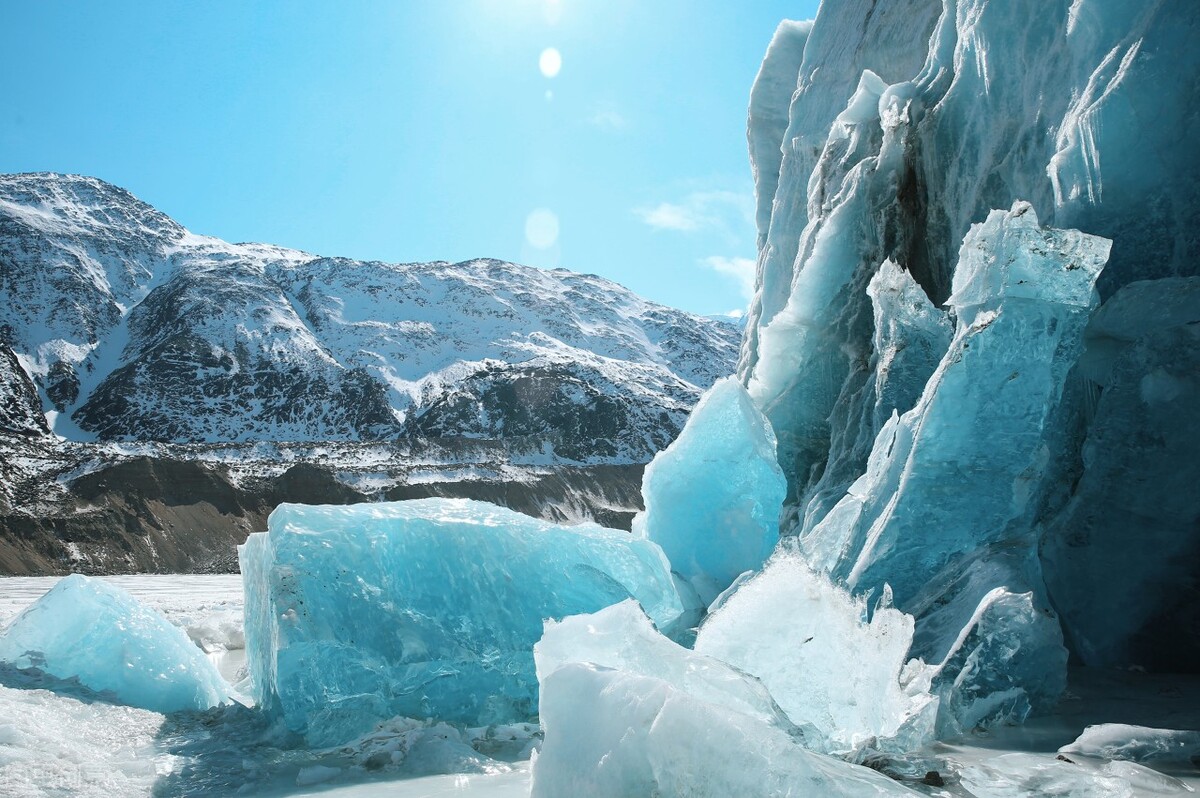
(550, 62)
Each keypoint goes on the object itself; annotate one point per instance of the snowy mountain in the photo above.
(133, 331)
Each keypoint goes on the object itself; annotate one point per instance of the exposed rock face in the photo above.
(144, 338)
(20, 407)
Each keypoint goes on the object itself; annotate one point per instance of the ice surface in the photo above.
(424, 609)
(1131, 522)
(823, 661)
(1022, 775)
(621, 637)
(615, 733)
(52, 744)
(96, 633)
(1136, 743)
(713, 496)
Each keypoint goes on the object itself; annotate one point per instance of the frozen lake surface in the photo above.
(68, 743)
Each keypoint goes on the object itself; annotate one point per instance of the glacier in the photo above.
(905, 129)
(94, 634)
(959, 453)
(425, 609)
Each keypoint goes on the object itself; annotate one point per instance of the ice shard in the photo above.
(713, 496)
(944, 515)
(424, 609)
(621, 637)
(90, 631)
(826, 663)
(612, 734)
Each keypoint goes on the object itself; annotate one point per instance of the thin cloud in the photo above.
(741, 270)
(727, 213)
(666, 216)
(607, 117)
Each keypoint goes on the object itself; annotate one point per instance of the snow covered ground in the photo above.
(66, 742)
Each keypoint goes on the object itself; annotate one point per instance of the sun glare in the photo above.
(541, 228)
(550, 62)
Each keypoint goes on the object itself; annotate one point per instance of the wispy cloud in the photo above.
(607, 116)
(724, 212)
(742, 270)
(668, 216)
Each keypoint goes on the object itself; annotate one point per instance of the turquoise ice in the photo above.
(713, 496)
(91, 631)
(424, 609)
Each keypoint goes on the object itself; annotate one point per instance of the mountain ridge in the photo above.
(141, 338)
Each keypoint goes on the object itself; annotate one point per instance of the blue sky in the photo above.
(412, 131)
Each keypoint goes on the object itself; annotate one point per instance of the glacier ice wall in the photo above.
(98, 635)
(423, 609)
(908, 123)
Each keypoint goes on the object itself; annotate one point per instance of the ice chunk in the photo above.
(425, 609)
(1026, 775)
(1006, 660)
(615, 734)
(713, 496)
(1136, 743)
(621, 637)
(94, 632)
(823, 661)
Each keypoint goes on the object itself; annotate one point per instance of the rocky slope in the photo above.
(141, 345)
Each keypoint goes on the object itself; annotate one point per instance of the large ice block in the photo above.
(92, 631)
(614, 734)
(621, 637)
(426, 609)
(713, 496)
(823, 661)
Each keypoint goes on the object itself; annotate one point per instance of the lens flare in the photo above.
(541, 228)
(550, 62)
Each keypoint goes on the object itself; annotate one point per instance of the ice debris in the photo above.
(1136, 744)
(824, 661)
(621, 637)
(613, 734)
(94, 633)
(425, 609)
(1022, 775)
(713, 496)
